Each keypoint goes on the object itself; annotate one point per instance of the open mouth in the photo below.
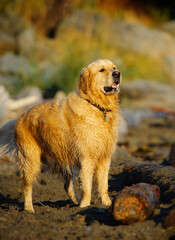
(113, 89)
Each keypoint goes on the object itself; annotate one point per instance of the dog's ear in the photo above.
(83, 80)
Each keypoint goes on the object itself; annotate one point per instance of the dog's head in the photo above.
(100, 77)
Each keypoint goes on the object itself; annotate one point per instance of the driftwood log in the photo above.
(172, 155)
(169, 221)
(9, 106)
(135, 203)
(162, 176)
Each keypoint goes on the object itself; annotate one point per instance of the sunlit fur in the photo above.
(67, 135)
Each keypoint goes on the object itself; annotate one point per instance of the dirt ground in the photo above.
(57, 217)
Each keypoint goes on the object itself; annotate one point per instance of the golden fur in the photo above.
(79, 132)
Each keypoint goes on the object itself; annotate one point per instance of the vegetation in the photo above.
(73, 49)
(73, 56)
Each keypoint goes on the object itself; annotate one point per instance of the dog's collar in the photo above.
(102, 109)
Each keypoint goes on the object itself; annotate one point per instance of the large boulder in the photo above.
(14, 64)
(142, 88)
(12, 108)
(169, 27)
(7, 42)
(146, 93)
(26, 41)
(10, 26)
(136, 37)
(4, 98)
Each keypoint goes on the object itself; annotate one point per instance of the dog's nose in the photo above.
(116, 74)
(117, 81)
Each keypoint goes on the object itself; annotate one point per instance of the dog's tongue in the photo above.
(114, 85)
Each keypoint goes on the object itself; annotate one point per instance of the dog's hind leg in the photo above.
(69, 188)
(28, 198)
(28, 169)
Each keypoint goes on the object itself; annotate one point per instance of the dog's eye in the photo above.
(101, 70)
(114, 68)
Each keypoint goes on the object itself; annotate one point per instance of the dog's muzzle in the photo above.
(115, 86)
(116, 75)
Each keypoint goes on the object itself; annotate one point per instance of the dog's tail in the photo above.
(7, 140)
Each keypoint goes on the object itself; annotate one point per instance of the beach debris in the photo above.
(163, 110)
(162, 176)
(172, 155)
(169, 221)
(9, 107)
(135, 203)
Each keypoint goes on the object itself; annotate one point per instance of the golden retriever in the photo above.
(78, 132)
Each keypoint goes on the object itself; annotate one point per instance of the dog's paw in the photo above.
(29, 209)
(84, 203)
(76, 201)
(106, 200)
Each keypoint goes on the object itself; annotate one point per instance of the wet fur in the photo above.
(67, 135)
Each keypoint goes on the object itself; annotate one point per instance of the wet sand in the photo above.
(56, 217)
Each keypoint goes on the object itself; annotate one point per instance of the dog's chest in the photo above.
(97, 137)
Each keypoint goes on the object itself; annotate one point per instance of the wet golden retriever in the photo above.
(79, 132)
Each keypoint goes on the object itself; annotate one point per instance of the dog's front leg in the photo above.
(102, 180)
(86, 175)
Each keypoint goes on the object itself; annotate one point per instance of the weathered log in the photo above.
(9, 107)
(135, 203)
(169, 221)
(172, 155)
(163, 110)
(162, 176)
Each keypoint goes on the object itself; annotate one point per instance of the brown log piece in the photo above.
(169, 221)
(172, 155)
(162, 176)
(163, 110)
(135, 203)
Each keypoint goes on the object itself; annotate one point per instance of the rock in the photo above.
(4, 98)
(123, 126)
(9, 19)
(148, 93)
(26, 99)
(8, 34)
(141, 88)
(7, 43)
(26, 42)
(11, 108)
(31, 46)
(15, 71)
(133, 36)
(48, 70)
(14, 64)
(78, 20)
(169, 61)
(169, 27)
(142, 39)
(4, 95)
(29, 92)
(134, 117)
